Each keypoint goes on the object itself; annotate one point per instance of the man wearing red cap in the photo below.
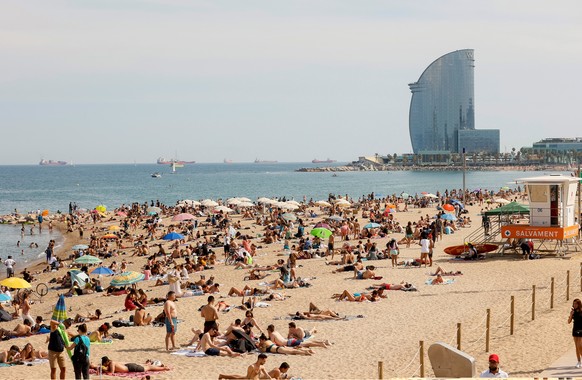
(494, 370)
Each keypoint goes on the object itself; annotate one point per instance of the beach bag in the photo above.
(80, 352)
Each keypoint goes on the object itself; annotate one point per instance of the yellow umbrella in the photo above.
(15, 283)
(101, 208)
(113, 228)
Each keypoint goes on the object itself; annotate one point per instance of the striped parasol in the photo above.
(60, 310)
(126, 278)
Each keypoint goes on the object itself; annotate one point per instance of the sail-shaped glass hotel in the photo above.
(443, 104)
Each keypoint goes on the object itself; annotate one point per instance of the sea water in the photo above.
(32, 188)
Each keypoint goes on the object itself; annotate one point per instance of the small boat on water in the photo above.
(164, 161)
(328, 161)
(44, 162)
(227, 161)
(156, 175)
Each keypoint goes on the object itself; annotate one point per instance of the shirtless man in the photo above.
(116, 367)
(210, 314)
(21, 329)
(207, 345)
(279, 340)
(255, 371)
(171, 320)
(265, 345)
(298, 332)
(281, 372)
(365, 274)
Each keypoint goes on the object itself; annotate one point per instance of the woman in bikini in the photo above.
(28, 353)
(265, 345)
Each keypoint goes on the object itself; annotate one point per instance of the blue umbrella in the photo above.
(451, 217)
(102, 270)
(457, 202)
(372, 225)
(173, 236)
(60, 310)
(4, 297)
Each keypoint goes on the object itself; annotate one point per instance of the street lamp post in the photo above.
(464, 170)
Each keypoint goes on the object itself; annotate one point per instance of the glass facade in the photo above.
(478, 141)
(442, 103)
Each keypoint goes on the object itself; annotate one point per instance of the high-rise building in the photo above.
(443, 104)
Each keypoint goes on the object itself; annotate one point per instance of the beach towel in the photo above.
(448, 281)
(190, 352)
(129, 374)
(262, 304)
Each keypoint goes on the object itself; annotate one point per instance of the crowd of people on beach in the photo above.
(207, 239)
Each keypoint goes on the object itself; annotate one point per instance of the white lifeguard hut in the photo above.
(551, 209)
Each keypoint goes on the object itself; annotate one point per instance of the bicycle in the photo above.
(39, 291)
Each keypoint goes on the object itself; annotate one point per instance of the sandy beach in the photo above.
(388, 331)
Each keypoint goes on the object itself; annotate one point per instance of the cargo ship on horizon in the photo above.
(328, 161)
(44, 162)
(163, 161)
(257, 161)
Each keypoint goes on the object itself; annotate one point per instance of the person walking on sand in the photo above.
(424, 250)
(210, 314)
(171, 320)
(576, 317)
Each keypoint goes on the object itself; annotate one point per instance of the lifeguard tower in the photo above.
(551, 211)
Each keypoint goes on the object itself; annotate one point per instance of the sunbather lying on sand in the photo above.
(246, 291)
(265, 345)
(402, 286)
(366, 274)
(117, 367)
(442, 272)
(375, 296)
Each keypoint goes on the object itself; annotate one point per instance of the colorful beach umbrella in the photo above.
(60, 310)
(289, 217)
(101, 208)
(448, 207)
(5, 297)
(322, 233)
(110, 236)
(102, 270)
(87, 259)
(79, 247)
(153, 210)
(126, 278)
(450, 217)
(323, 203)
(173, 236)
(372, 225)
(335, 218)
(45, 212)
(15, 283)
(183, 216)
(405, 195)
(114, 228)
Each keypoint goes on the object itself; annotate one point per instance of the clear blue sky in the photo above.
(113, 81)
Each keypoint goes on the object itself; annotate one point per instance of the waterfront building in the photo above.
(559, 144)
(443, 104)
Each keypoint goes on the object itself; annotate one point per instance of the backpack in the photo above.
(80, 352)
